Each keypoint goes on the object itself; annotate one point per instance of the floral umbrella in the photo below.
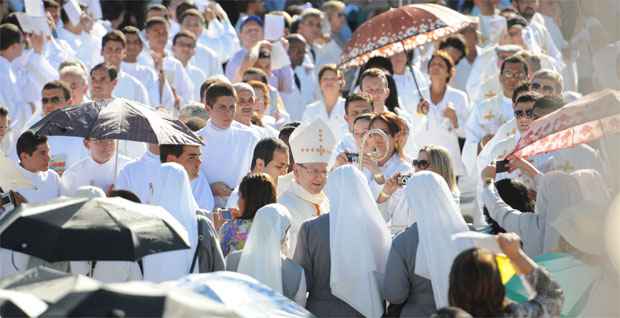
(401, 29)
(584, 120)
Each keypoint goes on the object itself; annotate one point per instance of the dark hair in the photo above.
(191, 13)
(205, 85)
(547, 105)
(515, 194)
(329, 68)
(11, 18)
(395, 125)
(154, 21)
(257, 71)
(456, 41)
(476, 285)
(66, 91)
(28, 142)
(218, 90)
(183, 33)
(380, 62)
(515, 59)
(50, 4)
(524, 86)
(257, 190)
(355, 97)
(111, 70)
(125, 194)
(4, 112)
(287, 129)
(195, 123)
(181, 8)
(367, 116)
(9, 35)
(516, 20)
(443, 55)
(265, 148)
(115, 36)
(131, 30)
(173, 150)
(528, 97)
(451, 312)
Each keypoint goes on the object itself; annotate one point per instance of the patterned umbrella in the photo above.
(401, 29)
(582, 121)
(119, 119)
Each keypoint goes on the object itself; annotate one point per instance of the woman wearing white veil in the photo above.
(557, 191)
(263, 256)
(172, 191)
(420, 259)
(344, 251)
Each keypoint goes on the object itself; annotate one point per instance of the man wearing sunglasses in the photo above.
(548, 83)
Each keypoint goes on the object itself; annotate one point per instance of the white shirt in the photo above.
(297, 98)
(463, 69)
(198, 77)
(222, 38)
(207, 61)
(45, 186)
(129, 87)
(335, 120)
(87, 172)
(328, 53)
(175, 74)
(149, 79)
(406, 88)
(394, 165)
(139, 176)
(202, 192)
(10, 97)
(491, 28)
(87, 46)
(227, 153)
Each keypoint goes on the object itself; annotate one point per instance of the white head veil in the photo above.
(359, 241)
(592, 186)
(261, 257)
(557, 191)
(172, 191)
(438, 218)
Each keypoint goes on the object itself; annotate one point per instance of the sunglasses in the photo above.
(545, 88)
(524, 113)
(53, 100)
(422, 164)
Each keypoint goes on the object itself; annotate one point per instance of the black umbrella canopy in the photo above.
(116, 118)
(136, 299)
(103, 229)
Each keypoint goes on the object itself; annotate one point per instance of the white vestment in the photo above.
(335, 120)
(491, 28)
(198, 77)
(297, 98)
(202, 193)
(11, 97)
(207, 61)
(406, 87)
(139, 176)
(129, 87)
(87, 172)
(149, 79)
(175, 74)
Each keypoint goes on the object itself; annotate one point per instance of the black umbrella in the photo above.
(119, 119)
(101, 229)
(135, 299)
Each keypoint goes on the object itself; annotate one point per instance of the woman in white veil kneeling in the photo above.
(263, 256)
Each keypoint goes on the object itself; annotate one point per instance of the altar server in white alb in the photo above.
(312, 145)
(99, 169)
(228, 146)
(139, 175)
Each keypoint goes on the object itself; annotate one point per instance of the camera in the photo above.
(7, 202)
(226, 214)
(501, 166)
(352, 157)
(402, 180)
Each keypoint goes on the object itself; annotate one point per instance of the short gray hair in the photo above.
(552, 75)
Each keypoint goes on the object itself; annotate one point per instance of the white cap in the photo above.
(312, 143)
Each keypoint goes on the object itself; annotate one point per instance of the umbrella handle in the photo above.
(417, 87)
(115, 164)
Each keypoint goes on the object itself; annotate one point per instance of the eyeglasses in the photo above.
(314, 172)
(524, 113)
(422, 164)
(53, 100)
(545, 88)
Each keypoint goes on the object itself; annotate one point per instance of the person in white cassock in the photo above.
(105, 271)
(312, 145)
(204, 57)
(220, 35)
(81, 38)
(99, 169)
(11, 47)
(64, 151)
(33, 165)
(159, 90)
(113, 51)
(344, 252)
(264, 255)
(536, 32)
(173, 193)
(228, 146)
(330, 107)
(418, 266)
(189, 157)
(183, 49)
(487, 116)
(164, 63)
(305, 90)
(246, 100)
(491, 23)
(250, 33)
(139, 175)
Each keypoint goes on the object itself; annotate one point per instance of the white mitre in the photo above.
(312, 143)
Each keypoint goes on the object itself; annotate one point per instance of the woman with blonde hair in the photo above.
(437, 159)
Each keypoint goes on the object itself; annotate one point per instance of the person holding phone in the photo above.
(255, 191)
